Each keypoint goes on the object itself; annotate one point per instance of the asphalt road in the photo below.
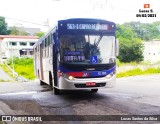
(138, 95)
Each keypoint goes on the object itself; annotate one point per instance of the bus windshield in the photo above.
(87, 49)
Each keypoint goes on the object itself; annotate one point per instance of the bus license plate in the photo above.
(90, 83)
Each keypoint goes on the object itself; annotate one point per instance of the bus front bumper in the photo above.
(81, 83)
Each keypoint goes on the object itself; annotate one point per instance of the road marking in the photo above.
(20, 93)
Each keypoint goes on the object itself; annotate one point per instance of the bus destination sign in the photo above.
(71, 26)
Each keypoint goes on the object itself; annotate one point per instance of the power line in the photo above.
(25, 21)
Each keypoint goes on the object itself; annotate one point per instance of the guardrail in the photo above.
(15, 74)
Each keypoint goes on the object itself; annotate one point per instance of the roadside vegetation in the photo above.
(23, 66)
(3, 80)
(138, 71)
(131, 45)
(134, 68)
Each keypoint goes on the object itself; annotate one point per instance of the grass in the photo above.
(149, 68)
(1, 80)
(138, 71)
(24, 67)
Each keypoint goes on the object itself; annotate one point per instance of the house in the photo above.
(17, 46)
(152, 51)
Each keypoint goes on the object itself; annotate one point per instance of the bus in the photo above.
(77, 54)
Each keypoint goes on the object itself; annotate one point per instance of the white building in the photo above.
(152, 51)
(17, 46)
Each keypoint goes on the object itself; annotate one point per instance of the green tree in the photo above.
(18, 31)
(145, 31)
(125, 32)
(3, 26)
(39, 34)
(131, 36)
(130, 50)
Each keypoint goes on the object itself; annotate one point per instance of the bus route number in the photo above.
(102, 73)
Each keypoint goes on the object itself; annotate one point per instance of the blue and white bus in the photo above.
(77, 54)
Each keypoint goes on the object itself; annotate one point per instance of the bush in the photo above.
(130, 50)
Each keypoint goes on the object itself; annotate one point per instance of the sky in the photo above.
(36, 13)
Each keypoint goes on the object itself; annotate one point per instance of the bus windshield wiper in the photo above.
(98, 41)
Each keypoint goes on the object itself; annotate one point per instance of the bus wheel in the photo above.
(94, 90)
(56, 91)
(42, 83)
(50, 80)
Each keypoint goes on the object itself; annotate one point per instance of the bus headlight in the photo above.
(109, 75)
(68, 77)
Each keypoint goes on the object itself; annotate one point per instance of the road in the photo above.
(138, 95)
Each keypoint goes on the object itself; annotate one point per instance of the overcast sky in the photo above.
(38, 11)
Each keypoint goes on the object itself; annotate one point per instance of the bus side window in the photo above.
(41, 50)
(35, 52)
(46, 46)
(43, 47)
(38, 51)
(50, 39)
(50, 44)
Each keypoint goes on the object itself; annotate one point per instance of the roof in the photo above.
(31, 31)
(12, 36)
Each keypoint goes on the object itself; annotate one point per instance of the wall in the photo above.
(152, 51)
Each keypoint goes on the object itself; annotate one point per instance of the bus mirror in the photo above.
(117, 47)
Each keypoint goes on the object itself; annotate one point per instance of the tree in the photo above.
(3, 26)
(125, 32)
(39, 34)
(131, 36)
(18, 31)
(145, 31)
(131, 50)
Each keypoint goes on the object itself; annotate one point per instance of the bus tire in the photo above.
(50, 80)
(56, 91)
(94, 90)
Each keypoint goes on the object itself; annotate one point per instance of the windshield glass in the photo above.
(87, 49)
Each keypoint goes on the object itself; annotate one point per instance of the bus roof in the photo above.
(84, 20)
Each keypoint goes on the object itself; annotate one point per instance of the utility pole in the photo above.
(46, 23)
(12, 60)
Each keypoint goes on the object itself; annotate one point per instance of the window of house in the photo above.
(31, 44)
(13, 43)
(23, 44)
